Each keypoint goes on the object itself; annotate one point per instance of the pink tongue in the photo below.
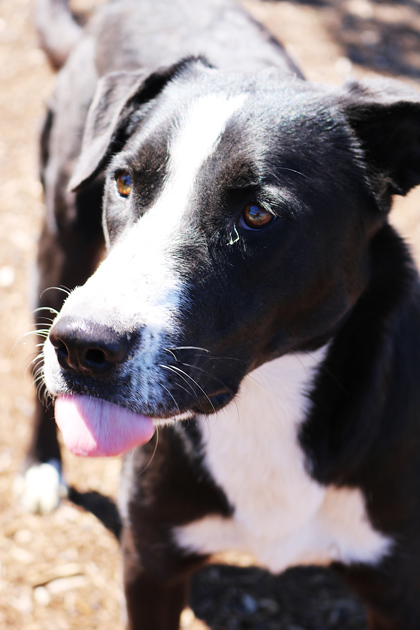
(96, 428)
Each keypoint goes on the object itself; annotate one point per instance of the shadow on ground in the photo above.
(232, 598)
(380, 36)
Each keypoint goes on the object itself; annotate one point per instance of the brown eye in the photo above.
(124, 183)
(255, 217)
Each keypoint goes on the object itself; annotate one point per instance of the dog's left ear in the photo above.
(385, 116)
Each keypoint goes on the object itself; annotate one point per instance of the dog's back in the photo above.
(129, 35)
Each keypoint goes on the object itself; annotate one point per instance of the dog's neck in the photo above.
(272, 403)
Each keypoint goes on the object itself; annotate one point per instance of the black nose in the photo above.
(88, 348)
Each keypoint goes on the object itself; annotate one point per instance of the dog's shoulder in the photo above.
(366, 399)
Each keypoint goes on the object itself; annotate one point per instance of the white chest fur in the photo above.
(282, 516)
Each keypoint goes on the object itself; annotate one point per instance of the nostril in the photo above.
(61, 352)
(61, 348)
(88, 348)
(96, 357)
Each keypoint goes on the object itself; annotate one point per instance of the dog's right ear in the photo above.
(108, 116)
(118, 96)
(114, 110)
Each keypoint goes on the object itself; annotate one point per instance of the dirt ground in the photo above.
(62, 571)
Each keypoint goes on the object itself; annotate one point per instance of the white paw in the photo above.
(41, 488)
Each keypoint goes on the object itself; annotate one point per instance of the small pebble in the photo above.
(249, 603)
(42, 596)
(7, 276)
(61, 585)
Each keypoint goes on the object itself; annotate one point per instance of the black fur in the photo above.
(327, 268)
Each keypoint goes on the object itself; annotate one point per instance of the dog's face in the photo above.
(238, 213)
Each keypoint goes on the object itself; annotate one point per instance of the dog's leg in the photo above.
(155, 595)
(68, 253)
(163, 486)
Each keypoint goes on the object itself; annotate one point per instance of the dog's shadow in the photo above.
(233, 598)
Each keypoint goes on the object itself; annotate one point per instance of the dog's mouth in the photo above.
(93, 427)
(112, 392)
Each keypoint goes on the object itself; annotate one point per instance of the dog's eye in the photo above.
(255, 217)
(124, 183)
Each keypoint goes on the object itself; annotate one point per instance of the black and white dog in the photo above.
(255, 307)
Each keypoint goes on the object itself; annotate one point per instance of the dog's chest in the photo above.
(281, 515)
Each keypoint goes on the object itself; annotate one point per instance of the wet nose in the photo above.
(88, 348)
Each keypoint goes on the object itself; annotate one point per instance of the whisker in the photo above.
(62, 288)
(27, 334)
(39, 382)
(52, 310)
(38, 357)
(27, 362)
(229, 359)
(188, 348)
(153, 455)
(292, 170)
(224, 361)
(43, 394)
(219, 381)
(39, 372)
(36, 333)
(173, 398)
(195, 383)
(207, 373)
(171, 353)
(191, 390)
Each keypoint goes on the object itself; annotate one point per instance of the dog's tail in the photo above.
(57, 29)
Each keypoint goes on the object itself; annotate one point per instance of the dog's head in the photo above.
(238, 212)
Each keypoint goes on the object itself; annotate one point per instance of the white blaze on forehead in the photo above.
(197, 136)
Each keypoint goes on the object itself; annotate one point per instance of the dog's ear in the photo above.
(385, 116)
(108, 116)
(115, 110)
